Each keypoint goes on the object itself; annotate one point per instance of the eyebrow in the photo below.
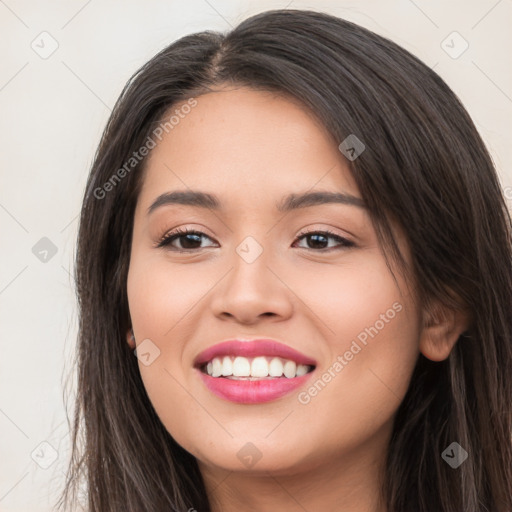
(289, 203)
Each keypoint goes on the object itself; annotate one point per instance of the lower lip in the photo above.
(252, 391)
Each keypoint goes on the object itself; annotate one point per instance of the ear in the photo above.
(442, 327)
(130, 338)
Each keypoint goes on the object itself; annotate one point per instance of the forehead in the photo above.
(248, 143)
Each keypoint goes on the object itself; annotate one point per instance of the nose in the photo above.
(252, 291)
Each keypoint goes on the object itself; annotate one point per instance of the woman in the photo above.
(298, 231)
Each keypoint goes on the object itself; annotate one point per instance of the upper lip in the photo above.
(252, 348)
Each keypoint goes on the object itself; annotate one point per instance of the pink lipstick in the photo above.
(252, 372)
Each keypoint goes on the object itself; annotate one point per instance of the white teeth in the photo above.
(241, 367)
(290, 368)
(259, 367)
(276, 367)
(302, 369)
(216, 367)
(227, 366)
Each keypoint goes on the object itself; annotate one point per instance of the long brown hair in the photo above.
(424, 165)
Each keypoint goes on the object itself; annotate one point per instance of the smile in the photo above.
(237, 367)
(253, 371)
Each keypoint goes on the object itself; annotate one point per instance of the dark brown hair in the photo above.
(425, 166)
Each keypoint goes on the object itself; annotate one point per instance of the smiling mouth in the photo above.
(254, 368)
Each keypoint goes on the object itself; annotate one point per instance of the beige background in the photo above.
(52, 113)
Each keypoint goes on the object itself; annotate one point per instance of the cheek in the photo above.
(356, 299)
(164, 299)
(160, 295)
(373, 348)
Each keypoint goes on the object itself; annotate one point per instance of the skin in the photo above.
(251, 148)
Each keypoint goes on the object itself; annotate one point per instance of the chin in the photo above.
(257, 456)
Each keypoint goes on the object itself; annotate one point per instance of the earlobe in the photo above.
(440, 332)
(130, 338)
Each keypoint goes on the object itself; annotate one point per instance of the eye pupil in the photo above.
(315, 238)
(185, 237)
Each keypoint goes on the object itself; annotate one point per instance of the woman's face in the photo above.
(252, 274)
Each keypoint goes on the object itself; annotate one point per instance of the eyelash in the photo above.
(168, 238)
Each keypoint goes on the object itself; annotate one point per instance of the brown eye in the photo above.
(320, 240)
(189, 240)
